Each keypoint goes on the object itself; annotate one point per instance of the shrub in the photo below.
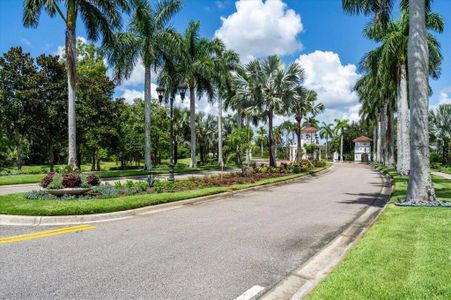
(93, 180)
(106, 191)
(57, 182)
(71, 180)
(47, 179)
(38, 195)
(319, 163)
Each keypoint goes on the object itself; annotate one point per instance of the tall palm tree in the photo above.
(339, 129)
(225, 62)
(301, 105)
(198, 67)
(261, 138)
(326, 132)
(149, 38)
(100, 18)
(440, 129)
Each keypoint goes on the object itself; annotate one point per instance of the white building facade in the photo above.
(362, 149)
(308, 136)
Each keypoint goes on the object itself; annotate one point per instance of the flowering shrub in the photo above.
(93, 180)
(71, 180)
(47, 179)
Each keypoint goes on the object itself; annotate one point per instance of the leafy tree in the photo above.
(17, 94)
(100, 18)
(339, 129)
(326, 132)
(440, 129)
(150, 39)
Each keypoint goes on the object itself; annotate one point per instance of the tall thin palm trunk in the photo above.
(238, 124)
(299, 146)
(147, 117)
(379, 138)
(390, 135)
(375, 142)
(403, 140)
(341, 147)
(384, 140)
(248, 150)
(272, 159)
(220, 159)
(192, 124)
(420, 187)
(71, 55)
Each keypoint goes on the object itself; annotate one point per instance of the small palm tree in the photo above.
(100, 18)
(326, 132)
(150, 39)
(339, 129)
(261, 138)
(440, 129)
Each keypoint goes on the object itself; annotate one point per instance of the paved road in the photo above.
(214, 250)
(23, 188)
(437, 173)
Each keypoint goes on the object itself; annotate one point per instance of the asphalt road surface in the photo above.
(213, 250)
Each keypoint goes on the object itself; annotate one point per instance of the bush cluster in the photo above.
(55, 180)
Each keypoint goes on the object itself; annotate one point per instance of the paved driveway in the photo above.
(214, 250)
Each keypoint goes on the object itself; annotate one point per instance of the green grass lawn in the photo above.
(35, 178)
(15, 204)
(405, 255)
(443, 169)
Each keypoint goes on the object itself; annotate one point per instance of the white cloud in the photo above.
(332, 81)
(259, 28)
(26, 42)
(445, 96)
(131, 94)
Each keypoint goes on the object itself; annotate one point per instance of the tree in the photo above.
(339, 129)
(440, 129)
(17, 94)
(197, 65)
(150, 39)
(225, 62)
(261, 138)
(100, 18)
(326, 132)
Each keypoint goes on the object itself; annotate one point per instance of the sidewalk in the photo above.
(444, 175)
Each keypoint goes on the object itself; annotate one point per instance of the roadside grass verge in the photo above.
(35, 178)
(405, 255)
(15, 204)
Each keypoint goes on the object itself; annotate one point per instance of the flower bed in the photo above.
(55, 183)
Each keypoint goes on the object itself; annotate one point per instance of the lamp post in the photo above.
(160, 91)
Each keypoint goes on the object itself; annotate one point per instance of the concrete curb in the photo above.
(299, 283)
(19, 220)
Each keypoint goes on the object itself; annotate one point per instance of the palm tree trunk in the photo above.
(390, 135)
(248, 150)
(375, 142)
(147, 118)
(71, 55)
(238, 148)
(403, 155)
(220, 159)
(379, 138)
(384, 141)
(272, 160)
(341, 147)
(298, 131)
(327, 156)
(420, 187)
(192, 124)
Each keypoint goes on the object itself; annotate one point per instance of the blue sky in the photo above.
(316, 33)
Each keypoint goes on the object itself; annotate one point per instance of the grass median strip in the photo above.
(43, 234)
(15, 204)
(403, 256)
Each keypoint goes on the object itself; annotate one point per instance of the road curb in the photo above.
(300, 282)
(19, 220)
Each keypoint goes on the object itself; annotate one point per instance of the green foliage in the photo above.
(57, 182)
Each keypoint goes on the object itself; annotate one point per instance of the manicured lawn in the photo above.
(15, 204)
(35, 178)
(405, 255)
(443, 169)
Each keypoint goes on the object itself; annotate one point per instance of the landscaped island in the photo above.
(109, 198)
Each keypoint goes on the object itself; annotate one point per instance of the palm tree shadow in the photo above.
(364, 198)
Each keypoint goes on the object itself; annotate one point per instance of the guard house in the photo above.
(308, 136)
(362, 149)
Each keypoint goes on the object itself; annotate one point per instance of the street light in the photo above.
(160, 91)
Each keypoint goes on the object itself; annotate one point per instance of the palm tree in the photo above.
(261, 138)
(149, 38)
(440, 129)
(198, 66)
(339, 129)
(326, 132)
(300, 105)
(100, 18)
(225, 62)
